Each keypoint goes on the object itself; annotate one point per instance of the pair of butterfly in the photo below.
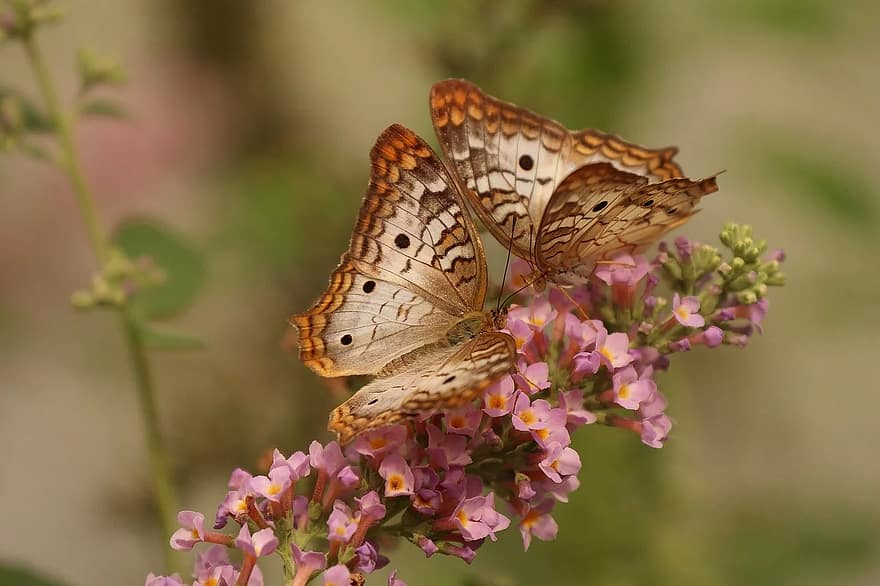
(406, 301)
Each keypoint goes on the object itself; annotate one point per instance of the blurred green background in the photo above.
(250, 128)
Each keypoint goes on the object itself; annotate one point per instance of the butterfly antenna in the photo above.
(532, 259)
(575, 303)
(506, 264)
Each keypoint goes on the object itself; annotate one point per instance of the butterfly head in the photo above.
(498, 317)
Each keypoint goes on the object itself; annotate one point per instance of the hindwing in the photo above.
(441, 378)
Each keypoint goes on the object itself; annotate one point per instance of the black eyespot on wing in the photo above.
(526, 162)
(449, 379)
(373, 401)
(401, 241)
(600, 206)
(671, 211)
(647, 203)
(369, 286)
(346, 339)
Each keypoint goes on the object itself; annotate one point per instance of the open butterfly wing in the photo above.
(599, 210)
(440, 378)
(414, 265)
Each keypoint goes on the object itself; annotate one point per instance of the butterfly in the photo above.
(406, 301)
(560, 199)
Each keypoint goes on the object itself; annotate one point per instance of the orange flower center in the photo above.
(395, 482)
(497, 402)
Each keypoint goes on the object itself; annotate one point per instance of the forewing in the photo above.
(362, 322)
(510, 160)
(414, 265)
(440, 378)
(599, 211)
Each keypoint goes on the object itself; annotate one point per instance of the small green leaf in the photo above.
(163, 339)
(32, 117)
(104, 108)
(20, 576)
(182, 263)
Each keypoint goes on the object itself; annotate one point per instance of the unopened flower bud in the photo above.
(82, 300)
(776, 280)
(747, 297)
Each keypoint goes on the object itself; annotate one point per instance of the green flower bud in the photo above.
(82, 300)
(673, 269)
(95, 70)
(100, 288)
(747, 297)
(776, 280)
(47, 14)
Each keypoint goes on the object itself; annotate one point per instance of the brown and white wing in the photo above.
(414, 265)
(510, 160)
(441, 378)
(599, 211)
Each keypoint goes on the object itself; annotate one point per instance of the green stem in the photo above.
(163, 489)
(161, 477)
(69, 158)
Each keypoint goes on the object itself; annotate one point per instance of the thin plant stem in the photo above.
(69, 157)
(163, 489)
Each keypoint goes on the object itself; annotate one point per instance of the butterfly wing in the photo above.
(414, 265)
(440, 378)
(510, 160)
(599, 210)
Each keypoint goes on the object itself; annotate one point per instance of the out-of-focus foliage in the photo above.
(182, 264)
(12, 575)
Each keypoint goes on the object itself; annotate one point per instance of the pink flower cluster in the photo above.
(451, 480)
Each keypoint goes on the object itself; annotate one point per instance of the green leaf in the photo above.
(182, 263)
(163, 339)
(104, 108)
(19, 576)
(33, 118)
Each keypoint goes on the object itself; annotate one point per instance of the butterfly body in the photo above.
(563, 200)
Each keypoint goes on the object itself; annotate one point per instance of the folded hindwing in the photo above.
(599, 211)
(441, 377)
